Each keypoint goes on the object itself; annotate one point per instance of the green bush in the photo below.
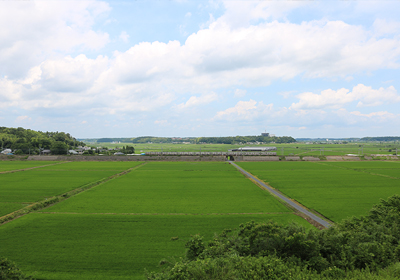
(359, 247)
(9, 271)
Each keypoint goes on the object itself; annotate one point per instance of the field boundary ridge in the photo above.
(55, 199)
(290, 203)
(29, 168)
(169, 214)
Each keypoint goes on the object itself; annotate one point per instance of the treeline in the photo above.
(245, 139)
(208, 140)
(157, 140)
(358, 248)
(379, 139)
(109, 140)
(24, 141)
(146, 139)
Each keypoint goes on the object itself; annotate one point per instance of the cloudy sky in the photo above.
(201, 68)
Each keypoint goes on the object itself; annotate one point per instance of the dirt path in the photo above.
(290, 202)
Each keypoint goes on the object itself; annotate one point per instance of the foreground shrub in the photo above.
(358, 248)
(9, 271)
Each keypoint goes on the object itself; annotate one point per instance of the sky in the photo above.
(197, 68)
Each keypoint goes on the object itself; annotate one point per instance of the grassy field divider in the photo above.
(322, 222)
(55, 199)
(34, 167)
(295, 211)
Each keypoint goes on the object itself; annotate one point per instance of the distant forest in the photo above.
(24, 141)
(381, 139)
(208, 140)
(246, 139)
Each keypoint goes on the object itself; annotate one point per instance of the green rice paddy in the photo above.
(195, 188)
(19, 189)
(337, 190)
(117, 229)
(17, 165)
(129, 223)
(84, 246)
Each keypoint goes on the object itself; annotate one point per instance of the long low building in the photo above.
(253, 149)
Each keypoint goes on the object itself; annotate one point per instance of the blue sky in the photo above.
(201, 68)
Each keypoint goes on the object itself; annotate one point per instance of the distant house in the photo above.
(118, 154)
(6, 151)
(72, 152)
(46, 152)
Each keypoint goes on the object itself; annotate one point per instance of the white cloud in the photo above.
(259, 54)
(124, 36)
(383, 115)
(23, 118)
(41, 69)
(240, 93)
(161, 122)
(196, 101)
(358, 118)
(71, 74)
(34, 30)
(365, 95)
(243, 13)
(374, 97)
(245, 110)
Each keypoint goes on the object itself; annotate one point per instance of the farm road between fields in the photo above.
(290, 202)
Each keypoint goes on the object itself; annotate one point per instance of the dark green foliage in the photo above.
(245, 139)
(9, 271)
(59, 148)
(128, 150)
(195, 247)
(27, 141)
(352, 249)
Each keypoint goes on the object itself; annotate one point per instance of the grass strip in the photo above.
(55, 199)
(29, 168)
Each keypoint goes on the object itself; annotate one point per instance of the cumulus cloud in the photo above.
(41, 29)
(245, 48)
(365, 95)
(243, 13)
(196, 101)
(382, 115)
(71, 74)
(356, 117)
(124, 36)
(259, 54)
(245, 110)
(23, 118)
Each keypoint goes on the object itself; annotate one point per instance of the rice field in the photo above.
(18, 165)
(20, 189)
(129, 223)
(173, 187)
(337, 190)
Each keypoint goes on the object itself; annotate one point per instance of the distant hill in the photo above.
(193, 140)
(324, 139)
(381, 139)
(24, 141)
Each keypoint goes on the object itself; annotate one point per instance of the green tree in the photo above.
(59, 148)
